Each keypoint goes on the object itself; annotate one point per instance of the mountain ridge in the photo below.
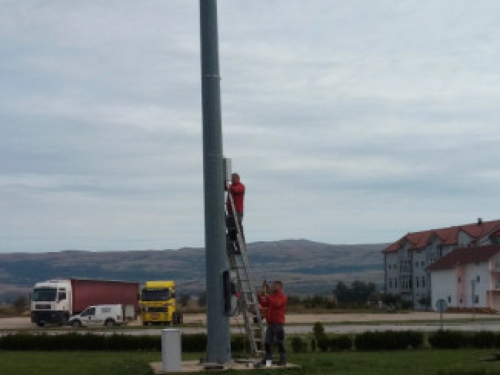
(305, 266)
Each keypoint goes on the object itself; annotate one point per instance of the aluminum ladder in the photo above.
(248, 303)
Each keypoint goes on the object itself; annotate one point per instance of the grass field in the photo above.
(410, 362)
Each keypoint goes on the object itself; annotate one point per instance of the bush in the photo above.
(483, 340)
(323, 342)
(447, 339)
(194, 343)
(94, 342)
(298, 345)
(318, 329)
(340, 343)
(389, 340)
(239, 343)
(313, 345)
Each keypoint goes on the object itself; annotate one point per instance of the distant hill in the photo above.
(306, 267)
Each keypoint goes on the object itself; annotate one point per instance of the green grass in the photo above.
(76, 363)
(396, 362)
(411, 362)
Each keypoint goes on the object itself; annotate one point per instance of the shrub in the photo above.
(298, 345)
(194, 343)
(483, 340)
(340, 343)
(323, 342)
(447, 339)
(318, 329)
(388, 340)
(239, 343)
(95, 342)
(313, 345)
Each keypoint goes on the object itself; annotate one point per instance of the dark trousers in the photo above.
(275, 332)
(231, 224)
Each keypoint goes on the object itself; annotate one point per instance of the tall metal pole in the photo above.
(219, 336)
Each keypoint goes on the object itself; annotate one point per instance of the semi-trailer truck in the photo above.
(54, 301)
(158, 303)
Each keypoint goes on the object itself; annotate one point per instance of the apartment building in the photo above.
(407, 260)
(467, 277)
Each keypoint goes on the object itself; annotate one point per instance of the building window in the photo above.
(476, 299)
(478, 279)
(423, 282)
(389, 266)
(396, 283)
(416, 282)
(449, 299)
(459, 279)
(390, 283)
(416, 264)
(395, 266)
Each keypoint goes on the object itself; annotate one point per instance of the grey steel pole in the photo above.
(218, 333)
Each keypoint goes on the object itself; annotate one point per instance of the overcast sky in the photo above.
(348, 121)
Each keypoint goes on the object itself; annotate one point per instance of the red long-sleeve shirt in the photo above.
(238, 192)
(276, 307)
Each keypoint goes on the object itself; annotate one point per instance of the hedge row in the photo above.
(389, 340)
(193, 343)
(456, 339)
(368, 341)
(94, 342)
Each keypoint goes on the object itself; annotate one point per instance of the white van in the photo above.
(99, 315)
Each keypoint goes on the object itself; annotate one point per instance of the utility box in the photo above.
(171, 350)
(227, 169)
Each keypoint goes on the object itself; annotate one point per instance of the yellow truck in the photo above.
(158, 303)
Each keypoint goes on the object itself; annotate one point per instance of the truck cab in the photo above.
(51, 302)
(158, 303)
(99, 315)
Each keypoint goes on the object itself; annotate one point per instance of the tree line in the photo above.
(357, 294)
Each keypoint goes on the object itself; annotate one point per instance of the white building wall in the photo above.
(443, 286)
(481, 275)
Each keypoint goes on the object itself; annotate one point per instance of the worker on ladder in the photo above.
(237, 190)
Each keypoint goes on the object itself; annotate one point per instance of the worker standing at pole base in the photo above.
(275, 317)
(237, 190)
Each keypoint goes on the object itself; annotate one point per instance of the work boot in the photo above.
(281, 362)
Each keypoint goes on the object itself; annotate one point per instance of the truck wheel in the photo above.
(177, 318)
(109, 323)
(64, 320)
(76, 323)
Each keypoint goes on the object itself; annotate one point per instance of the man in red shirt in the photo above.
(237, 190)
(275, 316)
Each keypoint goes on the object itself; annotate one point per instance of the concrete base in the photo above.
(194, 366)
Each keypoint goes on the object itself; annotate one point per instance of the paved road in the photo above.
(298, 324)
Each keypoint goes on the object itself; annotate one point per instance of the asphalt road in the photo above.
(296, 324)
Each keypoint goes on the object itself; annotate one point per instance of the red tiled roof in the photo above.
(476, 231)
(448, 236)
(465, 255)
